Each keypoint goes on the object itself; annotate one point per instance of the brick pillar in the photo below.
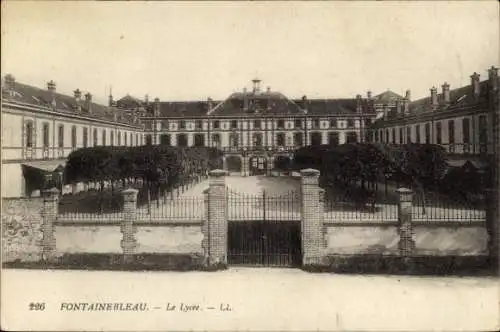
(492, 221)
(49, 216)
(127, 227)
(313, 244)
(204, 227)
(217, 219)
(406, 243)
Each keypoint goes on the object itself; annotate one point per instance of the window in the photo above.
(368, 122)
(316, 138)
(85, 137)
(298, 123)
(466, 130)
(60, 136)
(73, 137)
(333, 123)
(216, 124)
(350, 123)
(164, 124)
(199, 124)
(417, 133)
(45, 135)
(112, 139)
(280, 124)
(351, 137)
(215, 140)
(199, 140)
(439, 138)
(125, 139)
(104, 137)
(298, 139)
(427, 133)
(233, 140)
(483, 130)
(393, 135)
(451, 131)
(95, 137)
(149, 139)
(29, 134)
(165, 139)
(280, 139)
(333, 139)
(182, 124)
(315, 123)
(408, 134)
(234, 124)
(387, 136)
(257, 124)
(148, 125)
(257, 139)
(401, 135)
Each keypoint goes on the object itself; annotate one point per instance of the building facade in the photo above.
(41, 127)
(461, 120)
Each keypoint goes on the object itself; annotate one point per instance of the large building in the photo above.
(40, 127)
(459, 119)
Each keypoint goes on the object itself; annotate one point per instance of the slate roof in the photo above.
(265, 103)
(22, 93)
(330, 106)
(460, 97)
(386, 97)
(180, 108)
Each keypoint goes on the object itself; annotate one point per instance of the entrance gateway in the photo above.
(264, 229)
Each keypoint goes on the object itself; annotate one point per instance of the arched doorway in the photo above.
(258, 165)
(233, 163)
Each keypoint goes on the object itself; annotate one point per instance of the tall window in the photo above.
(451, 131)
(119, 137)
(137, 142)
(149, 139)
(280, 139)
(315, 123)
(257, 124)
(126, 140)
(280, 124)
(257, 139)
(298, 123)
(112, 138)
(333, 138)
(417, 133)
(216, 124)
(387, 136)
(298, 139)
(368, 122)
(148, 125)
(439, 137)
(233, 140)
(46, 134)
(316, 138)
(215, 140)
(85, 137)
(351, 137)
(483, 130)
(29, 134)
(182, 124)
(104, 137)
(234, 124)
(427, 133)
(466, 130)
(350, 123)
(333, 123)
(60, 136)
(199, 140)
(408, 134)
(199, 124)
(393, 135)
(73, 137)
(164, 124)
(401, 136)
(182, 140)
(94, 137)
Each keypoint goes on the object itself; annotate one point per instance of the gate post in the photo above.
(406, 243)
(127, 227)
(216, 228)
(245, 160)
(49, 215)
(312, 219)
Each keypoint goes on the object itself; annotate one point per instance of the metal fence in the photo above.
(91, 205)
(173, 209)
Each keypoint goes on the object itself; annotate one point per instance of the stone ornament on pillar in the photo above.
(406, 243)
(127, 227)
(49, 216)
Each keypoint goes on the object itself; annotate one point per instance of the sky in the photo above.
(196, 50)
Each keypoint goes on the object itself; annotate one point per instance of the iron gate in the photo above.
(264, 229)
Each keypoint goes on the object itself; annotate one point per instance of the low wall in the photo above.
(382, 239)
(169, 239)
(72, 239)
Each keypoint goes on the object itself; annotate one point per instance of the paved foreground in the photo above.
(243, 299)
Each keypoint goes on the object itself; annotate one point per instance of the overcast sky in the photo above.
(186, 51)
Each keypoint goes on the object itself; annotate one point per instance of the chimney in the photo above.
(406, 105)
(210, 103)
(9, 81)
(493, 78)
(256, 85)
(245, 99)
(304, 102)
(408, 95)
(51, 86)
(359, 107)
(157, 107)
(474, 82)
(434, 98)
(446, 92)
(398, 107)
(77, 94)
(146, 99)
(268, 90)
(369, 94)
(88, 102)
